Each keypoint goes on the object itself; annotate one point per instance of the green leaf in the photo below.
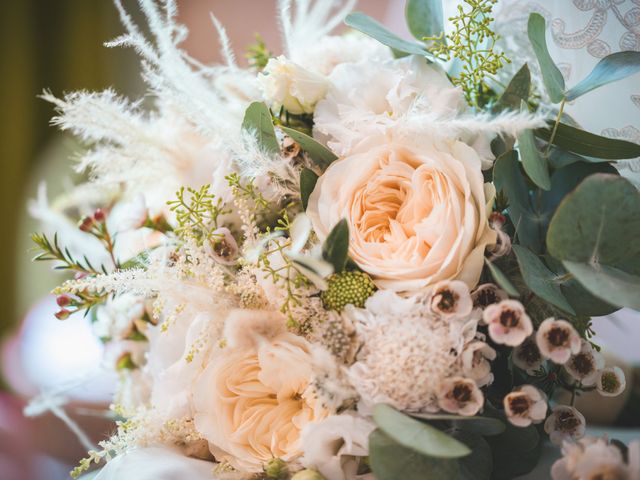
(501, 279)
(541, 280)
(424, 18)
(308, 180)
(478, 465)
(508, 178)
(374, 29)
(586, 143)
(517, 91)
(535, 165)
(551, 75)
(515, 452)
(257, 119)
(477, 424)
(608, 283)
(611, 68)
(335, 249)
(598, 222)
(391, 461)
(419, 436)
(320, 154)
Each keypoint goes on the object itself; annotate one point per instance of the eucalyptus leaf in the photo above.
(609, 283)
(611, 68)
(257, 119)
(517, 91)
(308, 180)
(535, 165)
(508, 178)
(374, 29)
(515, 452)
(477, 424)
(320, 154)
(501, 279)
(598, 222)
(424, 18)
(335, 249)
(478, 465)
(541, 280)
(551, 75)
(419, 436)
(390, 460)
(582, 142)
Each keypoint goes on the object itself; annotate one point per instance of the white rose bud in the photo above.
(286, 84)
(450, 299)
(565, 422)
(525, 406)
(460, 395)
(508, 322)
(585, 364)
(557, 340)
(611, 382)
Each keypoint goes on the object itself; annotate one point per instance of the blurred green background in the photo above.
(55, 45)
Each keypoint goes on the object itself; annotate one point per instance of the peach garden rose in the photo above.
(417, 214)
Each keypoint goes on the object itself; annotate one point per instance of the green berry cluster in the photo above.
(347, 288)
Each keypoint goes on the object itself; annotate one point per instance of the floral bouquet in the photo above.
(367, 257)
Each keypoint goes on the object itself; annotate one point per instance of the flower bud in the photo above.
(611, 382)
(63, 300)
(475, 362)
(276, 469)
(487, 294)
(86, 224)
(62, 314)
(99, 215)
(307, 475)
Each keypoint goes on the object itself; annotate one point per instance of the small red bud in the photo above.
(99, 215)
(553, 376)
(63, 300)
(86, 224)
(497, 219)
(62, 314)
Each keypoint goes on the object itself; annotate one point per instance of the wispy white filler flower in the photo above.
(525, 406)
(557, 340)
(508, 322)
(565, 422)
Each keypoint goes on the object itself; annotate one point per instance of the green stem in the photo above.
(555, 126)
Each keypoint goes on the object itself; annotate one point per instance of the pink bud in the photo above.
(86, 224)
(62, 314)
(63, 300)
(99, 215)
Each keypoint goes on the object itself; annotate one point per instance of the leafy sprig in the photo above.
(472, 42)
(52, 251)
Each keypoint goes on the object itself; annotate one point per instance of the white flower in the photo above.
(584, 365)
(332, 50)
(596, 458)
(287, 84)
(333, 446)
(450, 299)
(406, 351)
(475, 362)
(252, 400)
(223, 246)
(563, 423)
(557, 340)
(487, 294)
(525, 406)
(610, 382)
(119, 316)
(527, 355)
(367, 99)
(508, 322)
(460, 395)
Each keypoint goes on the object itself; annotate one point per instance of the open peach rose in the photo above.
(417, 215)
(252, 400)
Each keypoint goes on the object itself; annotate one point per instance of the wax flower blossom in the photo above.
(508, 322)
(557, 340)
(487, 294)
(527, 355)
(476, 358)
(565, 422)
(585, 365)
(450, 299)
(460, 395)
(610, 381)
(525, 405)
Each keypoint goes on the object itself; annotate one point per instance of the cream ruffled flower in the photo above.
(557, 340)
(252, 400)
(287, 84)
(416, 216)
(525, 406)
(460, 395)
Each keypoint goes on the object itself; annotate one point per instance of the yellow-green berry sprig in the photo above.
(347, 288)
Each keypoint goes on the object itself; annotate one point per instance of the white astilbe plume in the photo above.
(307, 21)
(225, 43)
